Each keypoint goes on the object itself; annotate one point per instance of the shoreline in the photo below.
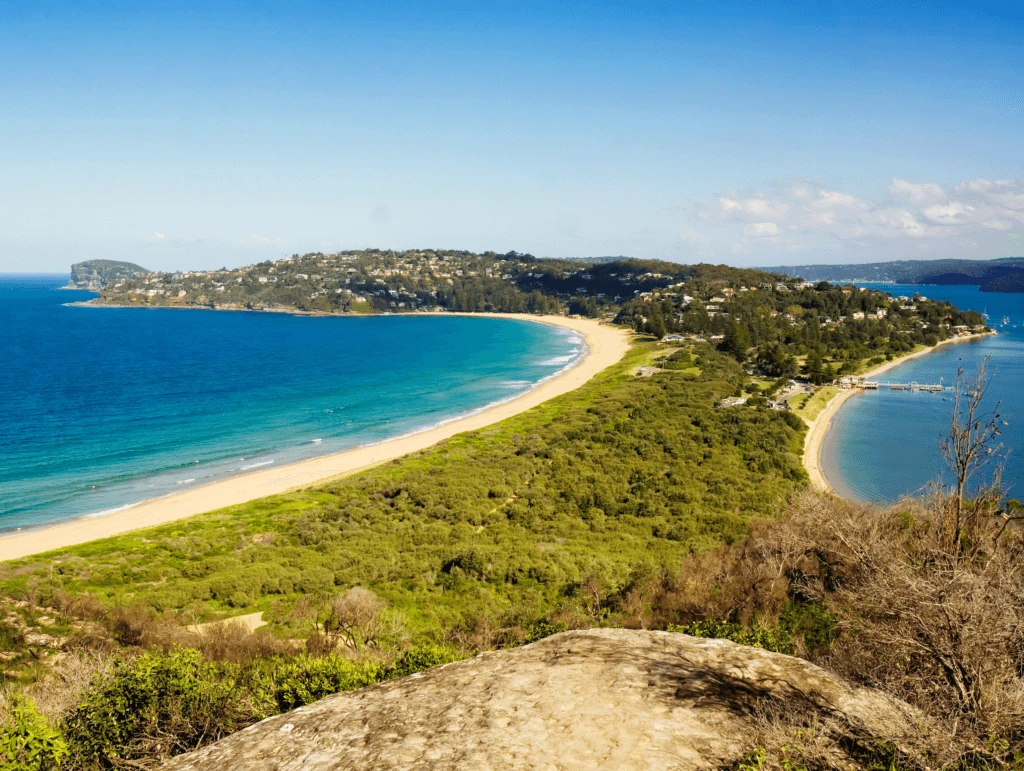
(818, 428)
(605, 345)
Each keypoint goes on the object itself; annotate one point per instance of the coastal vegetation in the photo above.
(376, 281)
(631, 502)
(779, 327)
(624, 476)
(818, 331)
(1009, 282)
(636, 501)
(547, 521)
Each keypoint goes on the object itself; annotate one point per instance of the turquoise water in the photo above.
(101, 408)
(885, 444)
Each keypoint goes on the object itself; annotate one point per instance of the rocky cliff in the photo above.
(608, 698)
(96, 274)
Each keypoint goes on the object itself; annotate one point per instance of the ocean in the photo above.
(101, 408)
(885, 444)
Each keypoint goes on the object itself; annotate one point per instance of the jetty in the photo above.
(933, 387)
(874, 385)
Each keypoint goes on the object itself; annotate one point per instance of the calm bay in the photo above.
(885, 444)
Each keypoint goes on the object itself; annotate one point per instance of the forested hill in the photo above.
(988, 274)
(1009, 282)
(775, 325)
(783, 329)
(374, 281)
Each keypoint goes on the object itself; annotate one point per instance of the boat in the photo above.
(1006, 320)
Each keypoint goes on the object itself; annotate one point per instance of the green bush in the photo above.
(27, 741)
(420, 658)
(157, 705)
(304, 679)
(815, 623)
(11, 638)
(776, 640)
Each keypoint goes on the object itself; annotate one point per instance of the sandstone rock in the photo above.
(603, 698)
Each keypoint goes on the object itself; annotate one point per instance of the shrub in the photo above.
(304, 679)
(915, 600)
(357, 616)
(145, 708)
(157, 705)
(27, 741)
(812, 622)
(776, 640)
(11, 638)
(420, 658)
(230, 641)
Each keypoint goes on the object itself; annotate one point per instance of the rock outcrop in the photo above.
(96, 274)
(603, 698)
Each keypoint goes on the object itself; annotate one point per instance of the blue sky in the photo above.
(189, 135)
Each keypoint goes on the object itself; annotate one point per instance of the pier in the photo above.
(933, 387)
(874, 385)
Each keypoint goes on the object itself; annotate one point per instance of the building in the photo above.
(733, 401)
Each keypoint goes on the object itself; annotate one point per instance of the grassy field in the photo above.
(809, 406)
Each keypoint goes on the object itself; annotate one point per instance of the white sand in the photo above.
(819, 426)
(605, 344)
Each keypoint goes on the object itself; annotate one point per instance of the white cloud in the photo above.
(949, 213)
(728, 206)
(974, 186)
(761, 229)
(829, 199)
(894, 223)
(967, 219)
(1005, 194)
(920, 194)
(758, 209)
(997, 224)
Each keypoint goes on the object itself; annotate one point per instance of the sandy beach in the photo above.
(605, 346)
(819, 426)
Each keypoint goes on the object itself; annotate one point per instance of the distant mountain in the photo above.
(96, 274)
(984, 273)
